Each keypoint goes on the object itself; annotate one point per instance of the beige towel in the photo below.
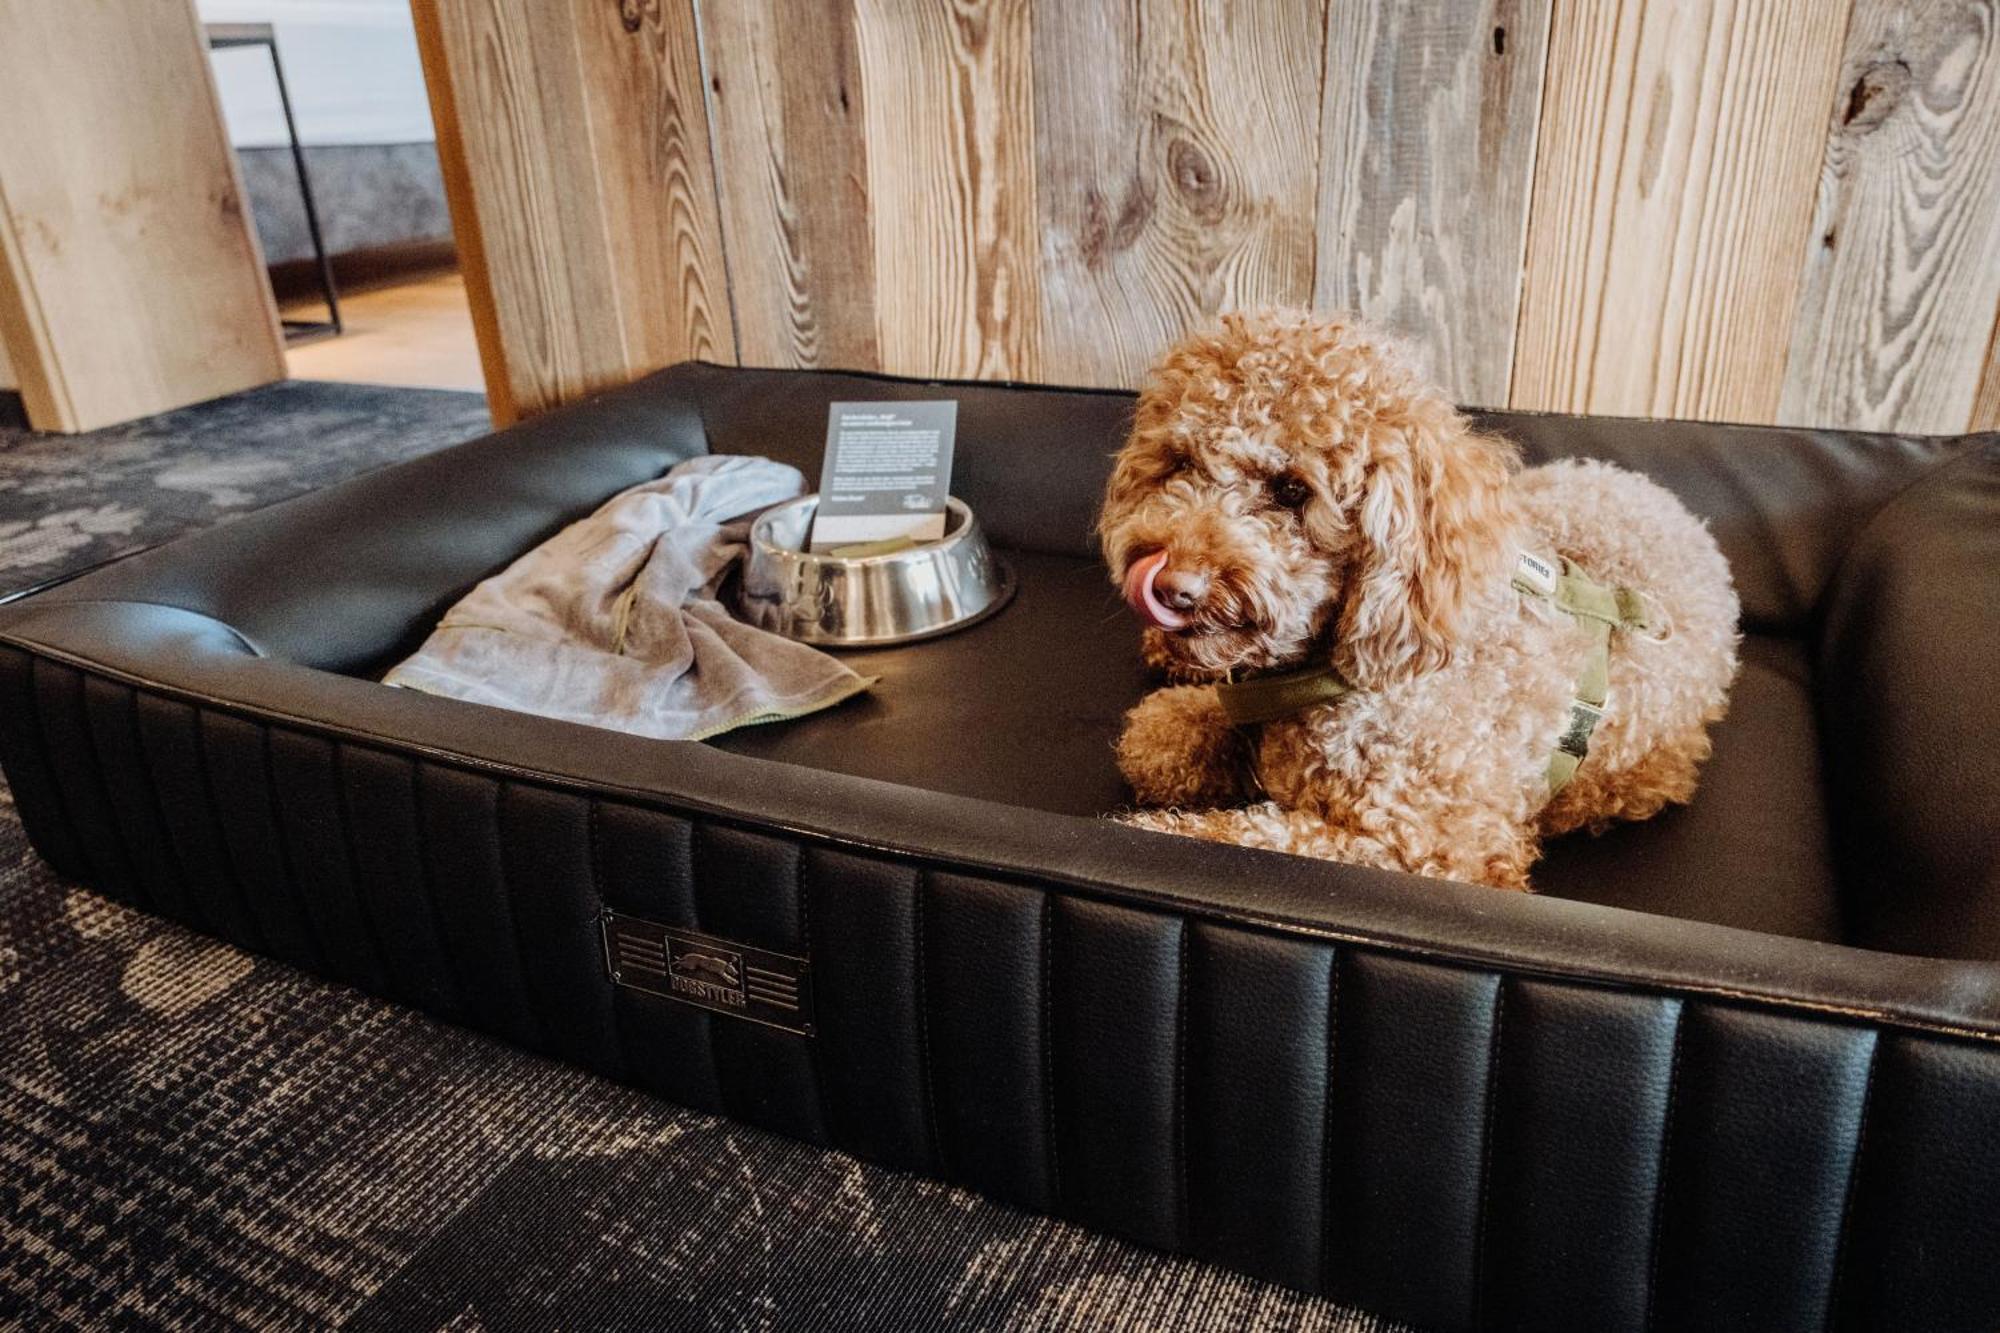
(614, 621)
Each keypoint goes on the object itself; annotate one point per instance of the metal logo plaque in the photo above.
(708, 972)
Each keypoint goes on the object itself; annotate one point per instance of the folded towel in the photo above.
(614, 621)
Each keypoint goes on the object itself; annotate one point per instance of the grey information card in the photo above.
(887, 473)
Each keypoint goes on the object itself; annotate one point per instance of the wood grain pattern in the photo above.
(130, 279)
(1673, 188)
(1176, 169)
(514, 68)
(586, 176)
(455, 168)
(640, 65)
(947, 113)
(793, 168)
(1618, 206)
(1902, 269)
(1427, 153)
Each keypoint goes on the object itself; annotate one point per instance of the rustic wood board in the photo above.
(947, 112)
(793, 166)
(1902, 269)
(514, 73)
(640, 65)
(1176, 163)
(1427, 154)
(1616, 207)
(581, 164)
(1674, 180)
(130, 278)
(455, 168)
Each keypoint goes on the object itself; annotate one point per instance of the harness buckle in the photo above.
(1583, 720)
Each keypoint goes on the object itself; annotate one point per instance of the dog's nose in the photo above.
(1180, 589)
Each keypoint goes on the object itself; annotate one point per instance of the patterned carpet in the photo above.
(194, 1138)
(69, 501)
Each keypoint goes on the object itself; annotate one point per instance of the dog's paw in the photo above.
(1158, 821)
(1179, 749)
(1209, 825)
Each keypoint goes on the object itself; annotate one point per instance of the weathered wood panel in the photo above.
(130, 280)
(1176, 156)
(640, 62)
(581, 166)
(510, 68)
(1618, 206)
(1427, 154)
(947, 110)
(1680, 145)
(793, 167)
(482, 279)
(1902, 268)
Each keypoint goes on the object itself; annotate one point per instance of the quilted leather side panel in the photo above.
(983, 992)
(644, 866)
(1258, 1013)
(1765, 1113)
(1412, 1059)
(1458, 1146)
(864, 918)
(1575, 1137)
(1919, 1246)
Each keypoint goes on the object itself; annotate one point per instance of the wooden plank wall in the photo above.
(130, 278)
(575, 145)
(1899, 284)
(1759, 210)
(1177, 151)
(1679, 150)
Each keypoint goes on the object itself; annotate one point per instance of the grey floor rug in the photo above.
(68, 501)
(191, 1137)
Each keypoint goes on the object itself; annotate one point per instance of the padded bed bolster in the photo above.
(1906, 663)
(353, 577)
(1451, 1106)
(1445, 1104)
(1118, 979)
(1751, 1218)
(192, 659)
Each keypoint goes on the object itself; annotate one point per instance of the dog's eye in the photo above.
(1288, 491)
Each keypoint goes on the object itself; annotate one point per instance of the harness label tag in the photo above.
(709, 972)
(1536, 575)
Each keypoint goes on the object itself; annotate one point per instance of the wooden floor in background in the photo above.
(416, 333)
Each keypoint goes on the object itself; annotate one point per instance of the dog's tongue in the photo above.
(1139, 592)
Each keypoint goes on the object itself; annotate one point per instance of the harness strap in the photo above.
(1561, 583)
(1599, 610)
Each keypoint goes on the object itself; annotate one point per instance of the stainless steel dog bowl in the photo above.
(866, 601)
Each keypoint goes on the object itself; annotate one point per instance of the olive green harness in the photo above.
(1597, 608)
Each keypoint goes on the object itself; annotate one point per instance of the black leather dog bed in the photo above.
(1719, 1074)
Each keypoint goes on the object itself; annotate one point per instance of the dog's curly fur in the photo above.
(1393, 559)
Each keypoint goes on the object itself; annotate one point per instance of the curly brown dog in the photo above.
(1403, 624)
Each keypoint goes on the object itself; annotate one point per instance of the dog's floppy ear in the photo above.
(1433, 526)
